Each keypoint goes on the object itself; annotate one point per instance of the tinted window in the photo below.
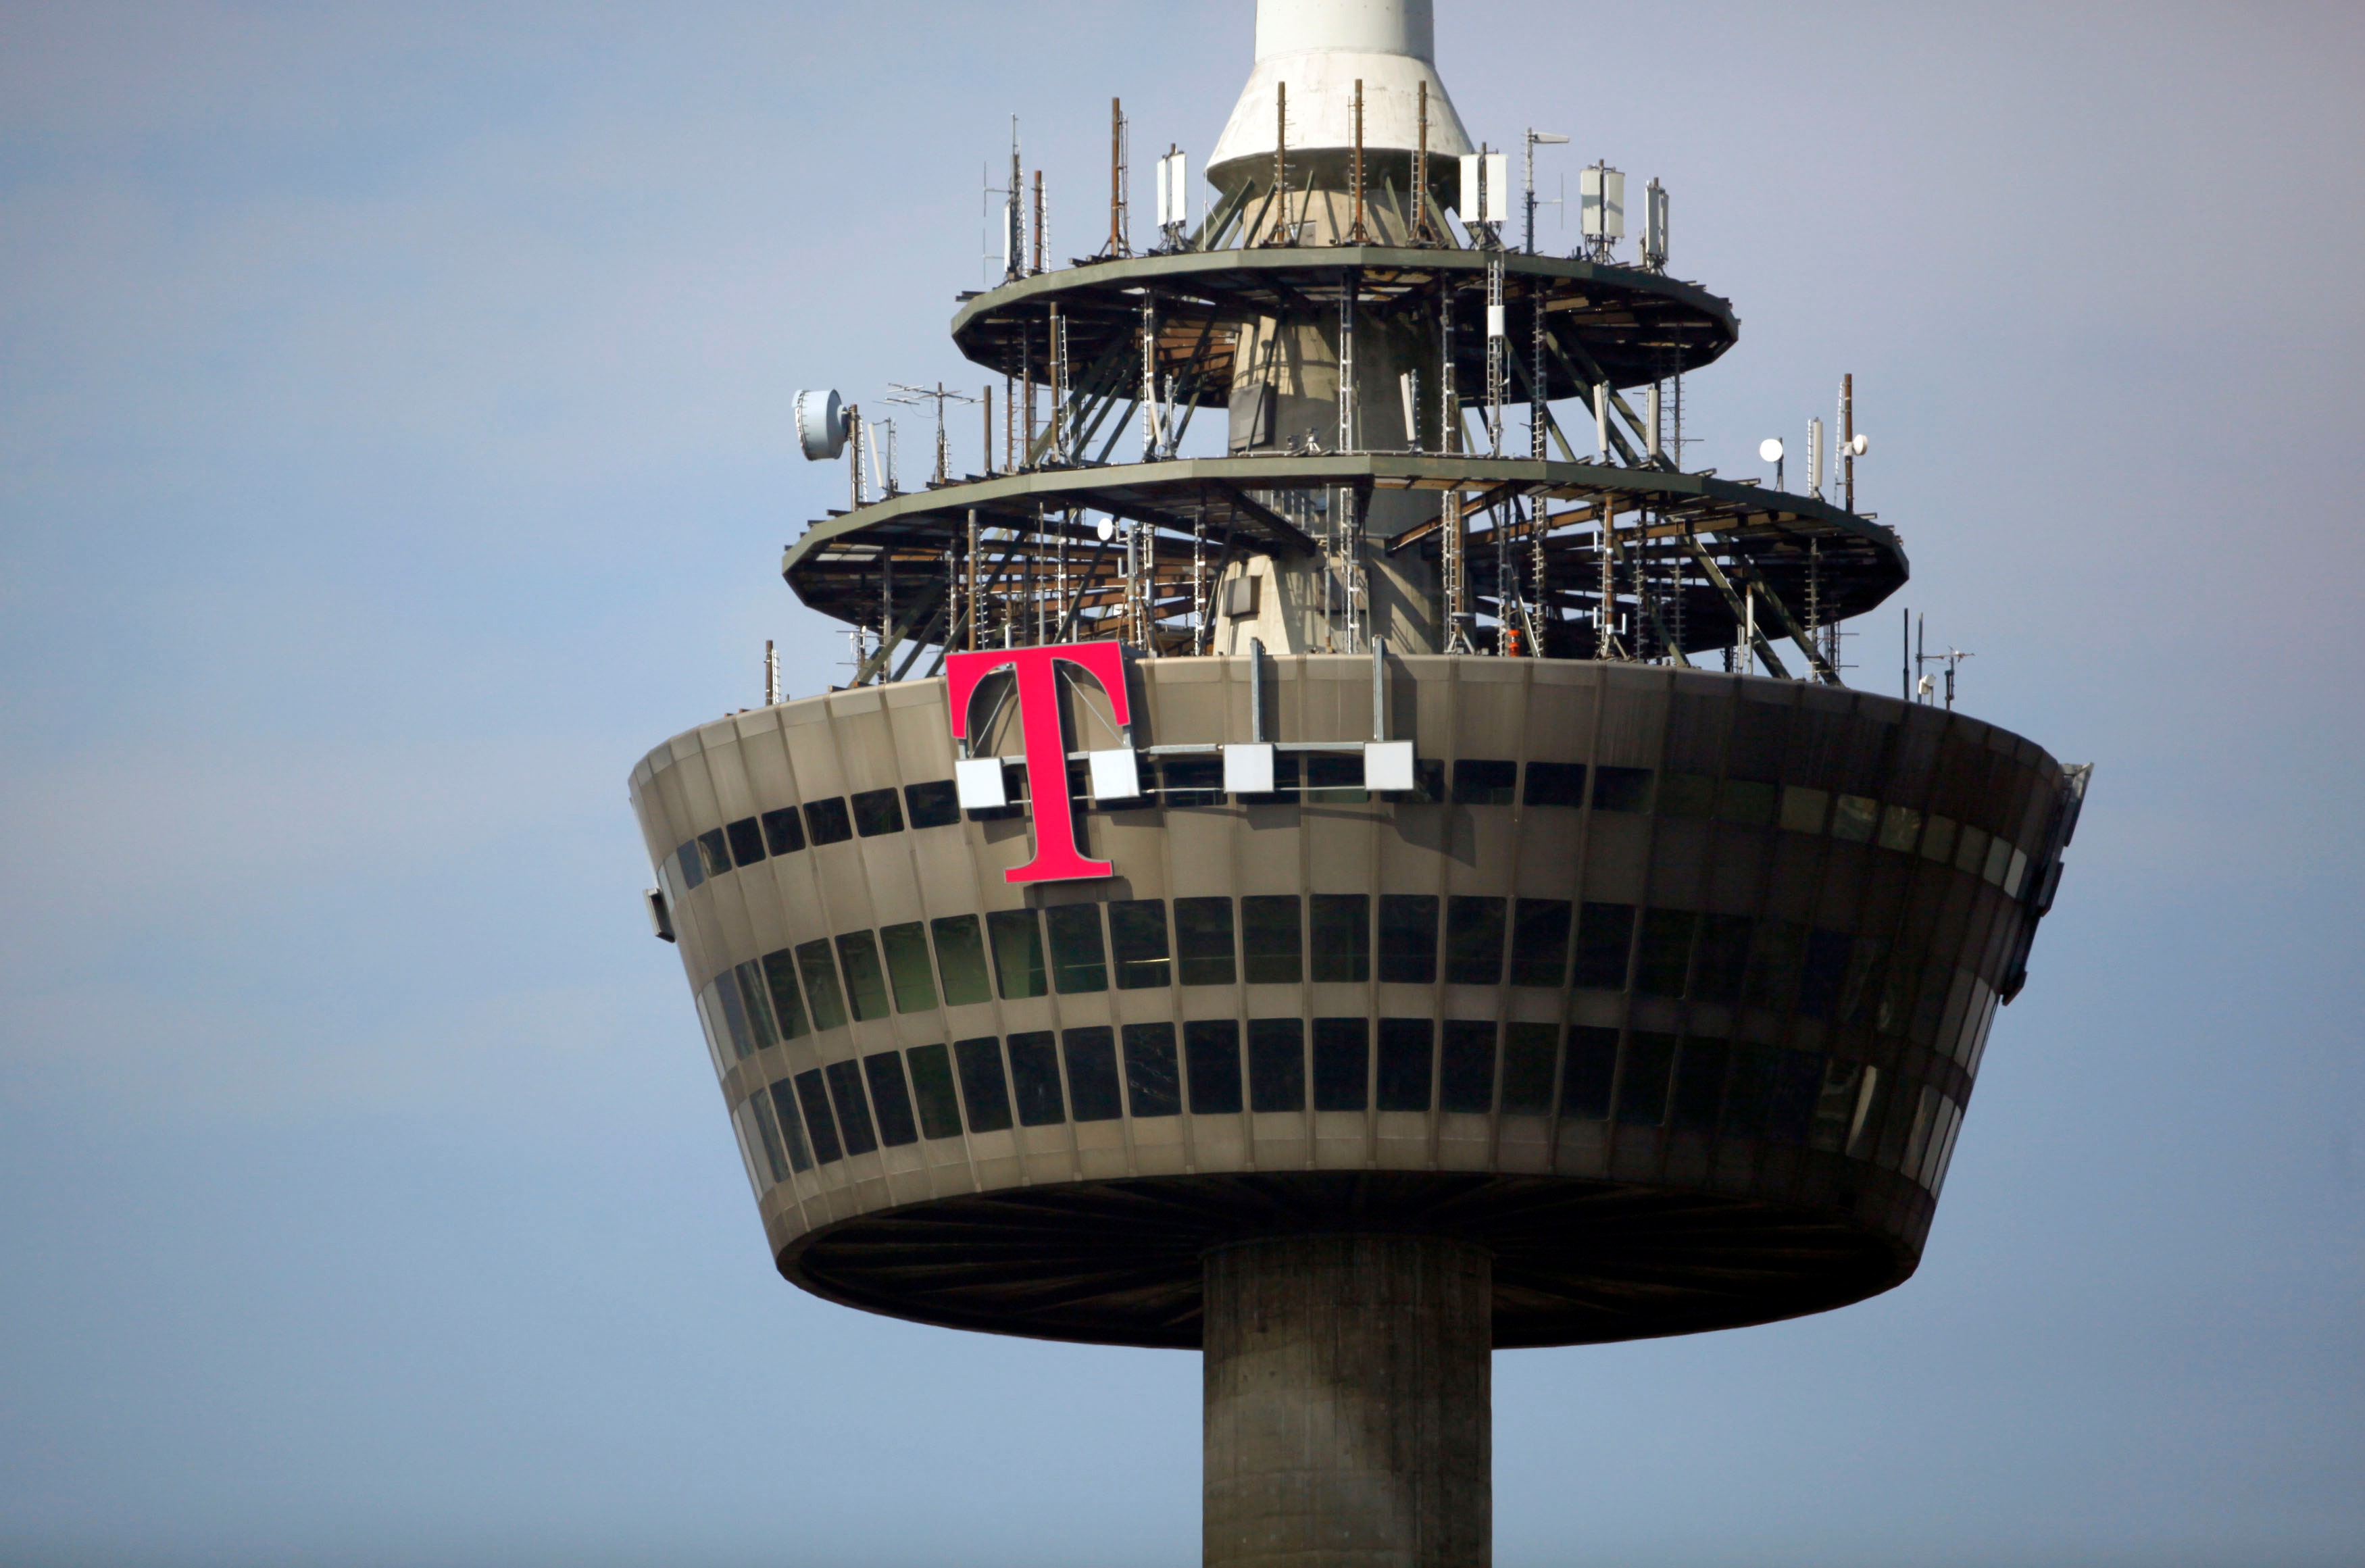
(746, 840)
(792, 1124)
(1854, 817)
(1203, 933)
(1540, 942)
(877, 811)
(1527, 1052)
(734, 1015)
(1211, 1056)
(1408, 938)
(826, 822)
(1336, 777)
(908, 975)
(1483, 783)
(1642, 1087)
(1666, 953)
(866, 977)
(787, 1002)
(1342, 1064)
(1774, 966)
(1404, 1063)
(776, 1154)
(1798, 1084)
(1276, 1064)
(1592, 1065)
(1138, 936)
(1699, 1084)
(1465, 1077)
(1824, 972)
(1193, 781)
(1474, 941)
(1748, 1092)
(1017, 953)
(1555, 784)
(1427, 783)
(784, 830)
(1747, 804)
(818, 1120)
(1034, 1078)
(750, 976)
(1078, 962)
(693, 869)
(961, 959)
(932, 1086)
(822, 994)
(1603, 935)
(1721, 955)
(1342, 938)
(889, 1100)
(713, 852)
(853, 1106)
(1151, 1085)
(1271, 940)
(1091, 1073)
(1686, 795)
(983, 1088)
(932, 805)
(1621, 788)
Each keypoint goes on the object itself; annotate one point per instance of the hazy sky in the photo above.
(394, 447)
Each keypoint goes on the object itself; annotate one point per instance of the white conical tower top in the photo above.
(1320, 49)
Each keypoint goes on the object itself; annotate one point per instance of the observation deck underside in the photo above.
(1574, 1262)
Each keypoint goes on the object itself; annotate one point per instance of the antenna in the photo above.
(1282, 232)
(939, 396)
(1601, 208)
(1119, 242)
(771, 676)
(1815, 458)
(1424, 231)
(1655, 226)
(1174, 197)
(1536, 139)
(1356, 233)
(1770, 451)
(1483, 176)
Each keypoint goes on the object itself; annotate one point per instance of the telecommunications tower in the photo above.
(1409, 885)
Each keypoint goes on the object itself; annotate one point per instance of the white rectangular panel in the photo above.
(1247, 769)
(1115, 775)
(1387, 765)
(978, 781)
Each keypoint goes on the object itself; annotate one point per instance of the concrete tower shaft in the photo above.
(1320, 49)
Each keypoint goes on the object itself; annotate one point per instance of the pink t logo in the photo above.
(1056, 856)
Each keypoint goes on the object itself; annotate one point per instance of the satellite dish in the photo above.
(1859, 444)
(1770, 449)
(1107, 529)
(821, 424)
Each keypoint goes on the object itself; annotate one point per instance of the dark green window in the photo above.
(776, 1154)
(961, 959)
(784, 830)
(1203, 936)
(734, 1015)
(1774, 966)
(1719, 956)
(1691, 795)
(1528, 1053)
(1335, 778)
(715, 852)
(983, 1088)
(1276, 1064)
(1592, 1068)
(932, 1087)
(1603, 933)
(1091, 1073)
(750, 976)
(1825, 971)
(820, 975)
(878, 812)
(1192, 781)
(1621, 788)
(826, 822)
(844, 1080)
(1666, 952)
(1035, 1078)
(787, 1002)
(1642, 1087)
(1699, 1085)
(1342, 938)
(746, 839)
(792, 1126)
(693, 871)
(1210, 1059)
(935, 804)
(1540, 943)
(1017, 953)
(1342, 1064)
(1555, 784)
(1465, 1077)
(908, 975)
(1079, 961)
(1152, 1086)
(1272, 940)
(866, 977)
(889, 1099)
(1402, 1081)
(1138, 938)
(1474, 941)
(818, 1120)
(1478, 782)
(1408, 938)
(1747, 805)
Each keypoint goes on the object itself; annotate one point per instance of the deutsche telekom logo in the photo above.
(1057, 859)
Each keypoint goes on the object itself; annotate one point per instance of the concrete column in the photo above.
(1349, 1417)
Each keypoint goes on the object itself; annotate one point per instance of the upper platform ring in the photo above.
(1634, 326)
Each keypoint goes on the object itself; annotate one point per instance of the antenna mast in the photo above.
(1118, 244)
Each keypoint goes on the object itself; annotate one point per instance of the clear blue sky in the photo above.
(394, 446)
